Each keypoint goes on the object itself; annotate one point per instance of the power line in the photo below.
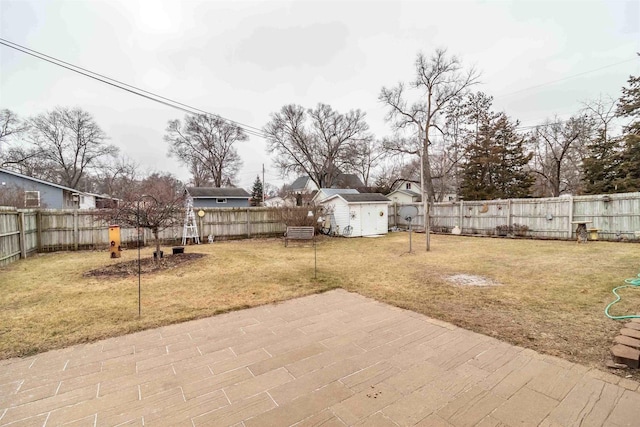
(251, 130)
(564, 78)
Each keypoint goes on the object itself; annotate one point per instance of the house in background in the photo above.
(36, 193)
(215, 197)
(405, 191)
(366, 214)
(323, 193)
(303, 190)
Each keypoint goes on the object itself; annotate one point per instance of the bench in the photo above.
(298, 233)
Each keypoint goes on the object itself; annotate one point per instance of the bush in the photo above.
(519, 230)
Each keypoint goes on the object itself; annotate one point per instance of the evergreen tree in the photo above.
(496, 163)
(602, 167)
(256, 192)
(629, 106)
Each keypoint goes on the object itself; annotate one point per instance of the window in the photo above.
(221, 200)
(408, 186)
(31, 199)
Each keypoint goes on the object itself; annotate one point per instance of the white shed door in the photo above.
(368, 220)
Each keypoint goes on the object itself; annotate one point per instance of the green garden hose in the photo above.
(629, 284)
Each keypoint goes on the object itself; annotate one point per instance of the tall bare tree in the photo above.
(205, 144)
(318, 142)
(559, 148)
(440, 79)
(65, 144)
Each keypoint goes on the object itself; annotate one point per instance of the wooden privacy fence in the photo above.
(616, 216)
(47, 230)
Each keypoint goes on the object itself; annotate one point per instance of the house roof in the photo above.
(208, 192)
(40, 181)
(347, 180)
(407, 192)
(360, 198)
(398, 183)
(299, 183)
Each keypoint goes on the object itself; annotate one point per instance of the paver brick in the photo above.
(303, 407)
(632, 325)
(326, 358)
(630, 333)
(587, 404)
(237, 412)
(626, 355)
(325, 418)
(626, 411)
(525, 407)
(48, 404)
(377, 420)
(257, 384)
(365, 403)
(314, 380)
(215, 382)
(282, 360)
(470, 407)
(628, 341)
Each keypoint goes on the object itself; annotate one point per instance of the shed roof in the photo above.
(360, 198)
(207, 192)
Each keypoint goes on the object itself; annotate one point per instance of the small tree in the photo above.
(156, 203)
(256, 192)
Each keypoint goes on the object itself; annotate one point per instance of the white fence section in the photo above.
(616, 216)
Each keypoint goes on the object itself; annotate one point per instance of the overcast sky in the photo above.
(245, 60)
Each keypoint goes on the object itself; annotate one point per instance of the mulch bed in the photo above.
(147, 265)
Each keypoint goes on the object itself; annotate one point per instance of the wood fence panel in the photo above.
(9, 236)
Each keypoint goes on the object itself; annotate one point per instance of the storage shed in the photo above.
(365, 213)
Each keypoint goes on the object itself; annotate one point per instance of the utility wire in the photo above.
(564, 78)
(251, 130)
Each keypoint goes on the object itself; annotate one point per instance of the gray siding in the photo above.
(50, 197)
(212, 203)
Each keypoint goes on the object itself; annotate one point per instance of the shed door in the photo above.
(367, 220)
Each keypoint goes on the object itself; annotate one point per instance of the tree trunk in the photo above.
(156, 233)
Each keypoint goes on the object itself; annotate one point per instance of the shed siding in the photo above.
(211, 203)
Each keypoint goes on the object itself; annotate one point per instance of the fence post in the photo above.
(75, 230)
(21, 230)
(462, 216)
(248, 224)
(39, 230)
(509, 213)
(570, 231)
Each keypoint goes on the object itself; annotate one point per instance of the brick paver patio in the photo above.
(333, 359)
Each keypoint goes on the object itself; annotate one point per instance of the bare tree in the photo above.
(115, 177)
(65, 145)
(205, 144)
(320, 142)
(366, 157)
(559, 148)
(439, 80)
(11, 127)
(156, 203)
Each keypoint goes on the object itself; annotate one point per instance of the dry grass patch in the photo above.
(551, 295)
